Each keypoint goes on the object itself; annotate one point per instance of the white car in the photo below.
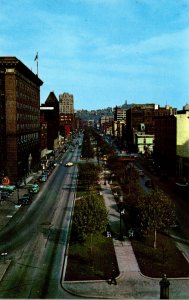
(69, 164)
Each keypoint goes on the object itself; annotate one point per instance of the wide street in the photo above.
(35, 239)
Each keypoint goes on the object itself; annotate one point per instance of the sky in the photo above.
(104, 52)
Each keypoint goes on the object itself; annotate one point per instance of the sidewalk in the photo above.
(9, 206)
(131, 284)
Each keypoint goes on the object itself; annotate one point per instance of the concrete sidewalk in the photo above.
(131, 284)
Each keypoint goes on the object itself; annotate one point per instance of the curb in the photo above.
(4, 267)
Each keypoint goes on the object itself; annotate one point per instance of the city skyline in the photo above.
(104, 52)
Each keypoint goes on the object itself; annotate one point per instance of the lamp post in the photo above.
(24, 176)
(121, 212)
(4, 254)
(17, 188)
(29, 162)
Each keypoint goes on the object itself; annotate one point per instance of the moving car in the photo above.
(69, 164)
(141, 173)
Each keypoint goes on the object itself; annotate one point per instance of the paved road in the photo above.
(35, 239)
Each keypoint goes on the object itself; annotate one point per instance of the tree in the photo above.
(87, 150)
(156, 212)
(89, 174)
(90, 216)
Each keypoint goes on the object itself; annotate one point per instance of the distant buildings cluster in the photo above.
(153, 131)
(31, 134)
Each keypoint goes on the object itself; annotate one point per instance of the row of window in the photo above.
(23, 106)
(25, 138)
(26, 117)
(27, 126)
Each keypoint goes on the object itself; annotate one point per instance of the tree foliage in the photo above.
(156, 211)
(90, 216)
(87, 150)
(89, 174)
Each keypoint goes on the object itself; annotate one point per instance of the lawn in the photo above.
(86, 262)
(91, 261)
(165, 259)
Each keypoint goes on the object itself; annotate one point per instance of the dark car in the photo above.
(149, 183)
(4, 194)
(25, 199)
(34, 188)
(43, 178)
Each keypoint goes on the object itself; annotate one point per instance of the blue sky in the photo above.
(104, 52)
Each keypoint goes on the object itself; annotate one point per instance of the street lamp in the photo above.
(29, 162)
(164, 287)
(4, 254)
(17, 189)
(24, 176)
(121, 212)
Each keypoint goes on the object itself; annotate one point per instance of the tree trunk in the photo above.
(155, 238)
(91, 252)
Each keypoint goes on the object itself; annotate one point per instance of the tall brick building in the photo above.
(20, 118)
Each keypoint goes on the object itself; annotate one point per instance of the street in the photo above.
(35, 239)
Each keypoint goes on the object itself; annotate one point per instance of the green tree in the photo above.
(156, 211)
(90, 216)
(89, 174)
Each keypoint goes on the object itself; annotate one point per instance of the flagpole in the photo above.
(37, 65)
(36, 59)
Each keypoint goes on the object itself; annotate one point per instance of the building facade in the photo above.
(182, 142)
(20, 102)
(143, 115)
(50, 113)
(172, 144)
(66, 114)
(119, 122)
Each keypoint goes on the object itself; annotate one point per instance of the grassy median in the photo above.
(91, 260)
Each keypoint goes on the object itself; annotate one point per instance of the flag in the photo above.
(36, 57)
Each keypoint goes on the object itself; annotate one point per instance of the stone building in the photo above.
(66, 114)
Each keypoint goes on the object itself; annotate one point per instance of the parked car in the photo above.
(25, 199)
(4, 195)
(43, 178)
(34, 188)
(149, 183)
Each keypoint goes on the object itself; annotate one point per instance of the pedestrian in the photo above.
(113, 276)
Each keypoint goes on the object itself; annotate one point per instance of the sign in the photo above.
(5, 181)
